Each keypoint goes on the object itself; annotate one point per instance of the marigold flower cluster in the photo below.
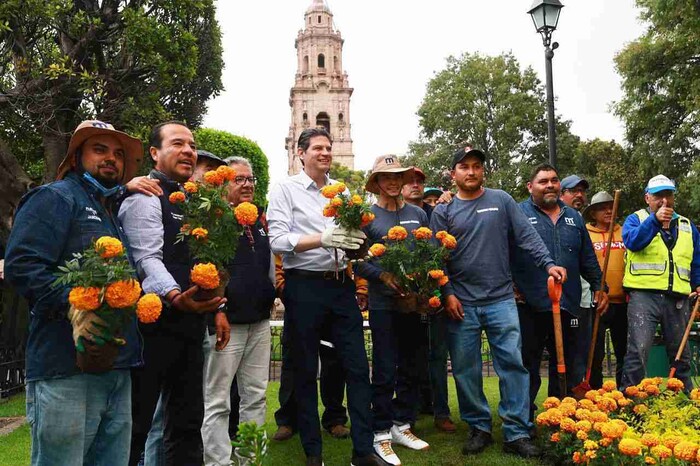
(422, 233)
(190, 187)
(434, 302)
(331, 190)
(246, 213)
(148, 308)
(108, 247)
(226, 172)
(200, 233)
(447, 240)
(213, 178)
(397, 233)
(84, 298)
(205, 276)
(177, 197)
(377, 250)
(123, 293)
(366, 219)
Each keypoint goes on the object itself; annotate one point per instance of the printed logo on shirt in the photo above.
(177, 216)
(404, 222)
(488, 209)
(92, 214)
(533, 220)
(600, 245)
(262, 232)
(574, 323)
(570, 221)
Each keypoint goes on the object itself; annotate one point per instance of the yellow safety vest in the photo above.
(656, 267)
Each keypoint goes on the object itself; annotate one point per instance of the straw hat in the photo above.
(386, 164)
(599, 198)
(133, 149)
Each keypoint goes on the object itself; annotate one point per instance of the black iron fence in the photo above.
(14, 316)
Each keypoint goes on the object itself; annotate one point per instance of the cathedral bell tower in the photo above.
(321, 93)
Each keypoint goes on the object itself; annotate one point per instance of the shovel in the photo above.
(684, 341)
(581, 389)
(554, 290)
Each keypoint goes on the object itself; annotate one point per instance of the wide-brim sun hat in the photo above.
(597, 200)
(386, 164)
(133, 148)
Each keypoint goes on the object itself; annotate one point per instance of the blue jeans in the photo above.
(647, 309)
(81, 419)
(500, 321)
(154, 454)
(438, 364)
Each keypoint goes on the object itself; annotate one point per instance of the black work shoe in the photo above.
(314, 461)
(477, 441)
(533, 433)
(523, 447)
(367, 460)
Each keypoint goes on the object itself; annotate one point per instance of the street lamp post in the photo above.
(545, 15)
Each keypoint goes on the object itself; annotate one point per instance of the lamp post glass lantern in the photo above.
(545, 16)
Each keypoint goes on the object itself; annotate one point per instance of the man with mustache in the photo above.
(173, 353)
(246, 321)
(567, 240)
(75, 417)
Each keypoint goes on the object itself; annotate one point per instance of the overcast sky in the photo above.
(392, 49)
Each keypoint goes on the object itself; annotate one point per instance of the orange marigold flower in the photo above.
(590, 454)
(555, 437)
(377, 250)
(226, 172)
(662, 452)
(367, 218)
(191, 187)
(340, 187)
(621, 424)
(630, 447)
(609, 385)
(148, 308)
(567, 425)
(329, 191)
(200, 233)
(108, 247)
(685, 450)
(674, 384)
(578, 457)
(336, 202)
(590, 445)
(329, 211)
(123, 293)
(584, 426)
(246, 213)
(652, 390)
(568, 400)
(440, 235)
(176, 197)
(598, 416)
(554, 416)
(631, 391)
(592, 395)
(649, 460)
(605, 442)
(84, 299)
(582, 413)
(581, 435)
(185, 228)
(422, 233)
(356, 199)
(670, 441)
(622, 402)
(434, 302)
(205, 276)
(437, 274)
(541, 419)
(449, 242)
(616, 395)
(607, 404)
(213, 178)
(443, 281)
(610, 430)
(397, 233)
(650, 440)
(640, 409)
(567, 409)
(586, 404)
(695, 394)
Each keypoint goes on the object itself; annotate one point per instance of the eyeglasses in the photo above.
(242, 179)
(576, 190)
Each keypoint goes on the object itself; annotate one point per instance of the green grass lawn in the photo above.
(445, 449)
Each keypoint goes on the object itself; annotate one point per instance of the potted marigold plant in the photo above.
(417, 262)
(250, 444)
(211, 227)
(103, 282)
(348, 211)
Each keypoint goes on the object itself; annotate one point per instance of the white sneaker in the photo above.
(382, 446)
(403, 436)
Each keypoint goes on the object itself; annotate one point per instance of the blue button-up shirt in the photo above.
(570, 246)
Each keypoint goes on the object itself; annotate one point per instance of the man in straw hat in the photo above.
(487, 225)
(75, 418)
(316, 289)
(599, 215)
(398, 338)
(662, 270)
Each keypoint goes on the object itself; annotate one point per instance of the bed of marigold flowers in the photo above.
(654, 422)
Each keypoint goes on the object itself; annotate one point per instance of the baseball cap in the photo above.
(464, 152)
(572, 181)
(660, 183)
(208, 155)
(419, 173)
(433, 191)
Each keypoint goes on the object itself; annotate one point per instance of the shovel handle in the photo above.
(684, 341)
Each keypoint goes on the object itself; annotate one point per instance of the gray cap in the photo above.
(601, 197)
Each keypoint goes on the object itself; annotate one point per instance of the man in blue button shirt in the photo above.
(564, 233)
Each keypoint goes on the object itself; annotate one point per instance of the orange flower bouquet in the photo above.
(103, 282)
(348, 211)
(211, 228)
(417, 261)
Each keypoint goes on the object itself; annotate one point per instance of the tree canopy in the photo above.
(353, 179)
(225, 144)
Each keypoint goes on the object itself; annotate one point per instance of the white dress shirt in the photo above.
(296, 209)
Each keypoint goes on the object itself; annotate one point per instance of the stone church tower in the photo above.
(321, 93)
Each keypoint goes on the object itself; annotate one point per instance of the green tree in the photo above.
(225, 144)
(493, 104)
(660, 81)
(354, 179)
(132, 64)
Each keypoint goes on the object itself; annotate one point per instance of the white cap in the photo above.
(660, 183)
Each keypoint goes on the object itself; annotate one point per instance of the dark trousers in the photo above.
(235, 417)
(537, 330)
(174, 366)
(309, 301)
(398, 344)
(332, 387)
(438, 364)
(425, 387)
(615, 320)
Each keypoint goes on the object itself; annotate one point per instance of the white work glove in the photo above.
(88, 325)
(343, 238)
